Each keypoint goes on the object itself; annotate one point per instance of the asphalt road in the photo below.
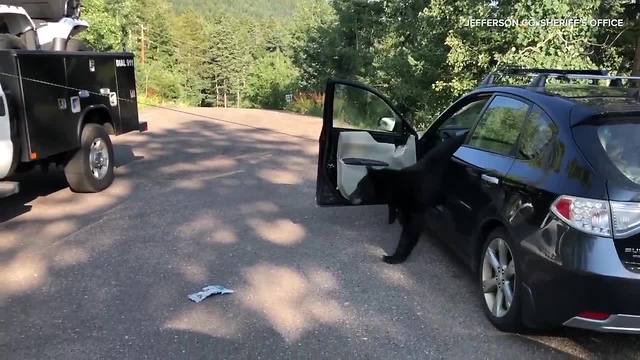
(200, 201)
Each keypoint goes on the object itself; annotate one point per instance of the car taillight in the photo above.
(588, 215)
(626, 218)
(594, 315)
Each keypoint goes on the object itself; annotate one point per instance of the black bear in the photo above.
(409, 192)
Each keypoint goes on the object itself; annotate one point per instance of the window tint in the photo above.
(466, 117)
(538, 132)
(620, 142)
(356, 108)
(498, 129)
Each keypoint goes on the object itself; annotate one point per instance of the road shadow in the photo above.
(33, 185)
(124, 155)
(36, 183)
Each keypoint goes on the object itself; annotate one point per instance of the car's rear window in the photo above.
(620, 142)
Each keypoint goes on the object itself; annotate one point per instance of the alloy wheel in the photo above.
(498, 277)
(99, 159)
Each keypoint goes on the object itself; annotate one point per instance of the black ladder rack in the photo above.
(540, 76)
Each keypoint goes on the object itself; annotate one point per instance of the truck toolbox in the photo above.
(60, 107)
(54, 91)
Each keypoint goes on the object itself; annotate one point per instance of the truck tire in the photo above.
(77, 45)
(11, 42)
(90, 170)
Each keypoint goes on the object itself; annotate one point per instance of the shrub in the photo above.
(270, 80)
(307, 104)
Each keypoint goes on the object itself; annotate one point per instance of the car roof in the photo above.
(575, 102)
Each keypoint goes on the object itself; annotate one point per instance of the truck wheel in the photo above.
(90, 170)
(11, 42)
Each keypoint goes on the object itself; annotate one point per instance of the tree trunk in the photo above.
(225, 94)
(635, 70)
(217, 94)
(238, 98)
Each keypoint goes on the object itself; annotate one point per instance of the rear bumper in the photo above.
(569, 272)
(626, 324)
(8, 188)
(143, 127)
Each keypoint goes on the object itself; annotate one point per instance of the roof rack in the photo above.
(540, 76)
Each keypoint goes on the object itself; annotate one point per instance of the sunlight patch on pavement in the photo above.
(215, 163)
(199, 182)
(261, 207)
(291, 302)
(564, 345)
(208, 228)
(280, 232)
(204, 319)
(70, 256)
(393, 275)
(195, 273)
(22, 273)
(280, 177)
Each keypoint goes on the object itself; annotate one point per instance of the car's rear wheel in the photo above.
(500, 283)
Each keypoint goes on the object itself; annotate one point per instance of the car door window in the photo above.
(498, 129)
(466, 117)
(356, 108)
(538, 132)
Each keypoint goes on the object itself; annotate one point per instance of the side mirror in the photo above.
(387, 123)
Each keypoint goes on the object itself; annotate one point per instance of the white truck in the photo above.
(41, 25)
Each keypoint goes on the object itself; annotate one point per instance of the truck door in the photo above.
(360, 129)
(128, 106)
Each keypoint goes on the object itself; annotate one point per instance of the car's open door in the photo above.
(361, 129)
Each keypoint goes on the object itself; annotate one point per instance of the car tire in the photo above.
(11, 42)
(498, 284)
(90, 170)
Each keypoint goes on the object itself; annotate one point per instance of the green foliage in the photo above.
(271, 78)
(190, 43)
(354, 108)
(108, 20)
(251, 8)
(420, 52)
(424, 54)
(307, 104)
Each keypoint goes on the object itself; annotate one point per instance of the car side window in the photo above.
(356, 108)
(466, 117)
(498, 129)
(538, 132)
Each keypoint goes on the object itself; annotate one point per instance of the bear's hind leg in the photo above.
(408, 240)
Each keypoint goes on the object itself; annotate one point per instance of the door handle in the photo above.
(364, 162)
(490, 179)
